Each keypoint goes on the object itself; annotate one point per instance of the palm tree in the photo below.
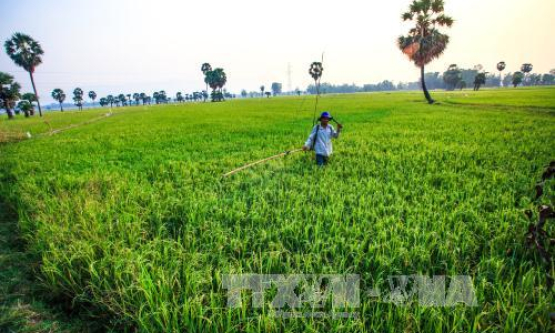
(92, 95)
(452, 77)
(518, 77)
(425, 42)
(26, 53)
(216, 80)
(143, 97)
(479, 80)
(179, 97)
(59, 95)
(26, 107)
(103, 101)
(122, 99)
(137, 98)
(500, 67)
(162, 96)
(111, 100)
(262, 88)
(29, 97)
(316, 70)
(526, 68)
(205, 68)
(9, 93)
(78, 98)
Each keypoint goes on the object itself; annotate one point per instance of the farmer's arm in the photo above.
(308, 143)
(334, 133)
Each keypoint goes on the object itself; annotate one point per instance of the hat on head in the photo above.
(325, 114)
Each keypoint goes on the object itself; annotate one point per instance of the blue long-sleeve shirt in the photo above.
(323, 145)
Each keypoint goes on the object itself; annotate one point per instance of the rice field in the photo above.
(135, 227)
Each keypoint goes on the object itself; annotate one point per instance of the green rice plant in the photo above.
(135, 225)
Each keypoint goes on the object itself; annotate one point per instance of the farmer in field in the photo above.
(319, 139)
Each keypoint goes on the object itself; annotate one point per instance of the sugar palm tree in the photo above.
(479, 80)
(26, 107)
(92, 95)
(526, 69)
(424, 41)
(137, 98)
(30, 97)
(59, 95)
(122, 99)
(216, 79)
(316, 70)
(518, 77)
(501, 67)
(262, 88)
(9, 93)
(205, 68)
(162, 96)
(452, 76)
(78, 97)
(179, 97)
(111, 100)
(26, 53)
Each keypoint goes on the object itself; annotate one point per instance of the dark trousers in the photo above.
(321, 160)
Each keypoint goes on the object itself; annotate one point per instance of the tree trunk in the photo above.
(35, 90)
(9, 112)
(61, 107)
(426, 93)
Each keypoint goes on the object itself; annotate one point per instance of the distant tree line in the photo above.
(453, 78)
(423, 44)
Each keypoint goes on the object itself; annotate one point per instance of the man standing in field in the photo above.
(319, 139)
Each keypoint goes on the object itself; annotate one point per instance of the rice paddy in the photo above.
(134, 225)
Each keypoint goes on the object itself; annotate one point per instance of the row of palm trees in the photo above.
(159, 97)
(453, 77)
(27, 53)
(78, 93)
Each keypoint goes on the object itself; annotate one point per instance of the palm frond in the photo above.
(444, 20)
(407, 16)
(438, 6)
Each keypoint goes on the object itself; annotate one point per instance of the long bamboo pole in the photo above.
(246, 166)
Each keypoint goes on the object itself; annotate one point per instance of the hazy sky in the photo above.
(126, 46)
